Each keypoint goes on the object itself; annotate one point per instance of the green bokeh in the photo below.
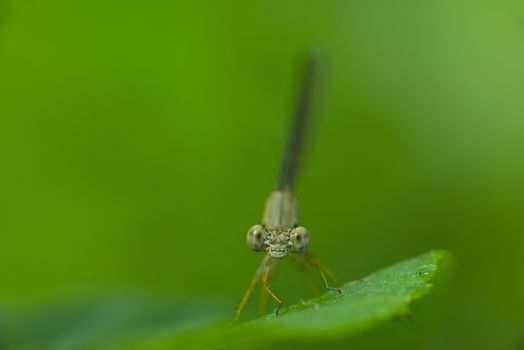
(138, 141)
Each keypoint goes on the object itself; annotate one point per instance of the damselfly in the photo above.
(280, 233)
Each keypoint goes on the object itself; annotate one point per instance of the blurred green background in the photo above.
(139, 140)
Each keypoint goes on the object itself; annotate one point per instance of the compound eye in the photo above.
(256, 237)
(301, 239)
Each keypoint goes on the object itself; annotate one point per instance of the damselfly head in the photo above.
(278, 242)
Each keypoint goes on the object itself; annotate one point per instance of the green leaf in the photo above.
(116, 319)
(134, 321)
(365, 303)
(379, 296)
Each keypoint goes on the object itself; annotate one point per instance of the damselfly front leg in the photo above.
(266, 280)
(312, 261)
(254, 281)
(264, 273)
